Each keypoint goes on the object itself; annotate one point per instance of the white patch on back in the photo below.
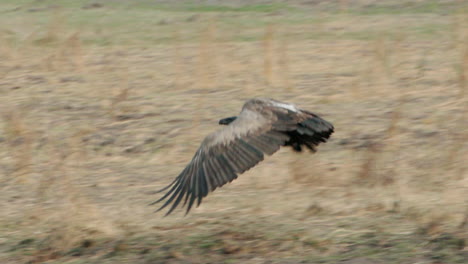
(286, 106)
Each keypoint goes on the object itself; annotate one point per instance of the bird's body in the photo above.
(262, 127)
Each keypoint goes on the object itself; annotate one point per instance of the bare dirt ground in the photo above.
(104, 102)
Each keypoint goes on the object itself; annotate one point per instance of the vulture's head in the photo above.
(227, 121)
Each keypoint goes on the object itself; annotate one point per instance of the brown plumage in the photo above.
(262, 127)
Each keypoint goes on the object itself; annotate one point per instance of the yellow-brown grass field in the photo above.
(104, 102)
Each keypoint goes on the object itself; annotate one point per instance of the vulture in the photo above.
(262, 127)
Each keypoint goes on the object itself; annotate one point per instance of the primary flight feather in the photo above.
(262, 127)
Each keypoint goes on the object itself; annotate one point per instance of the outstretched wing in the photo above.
(224, 155)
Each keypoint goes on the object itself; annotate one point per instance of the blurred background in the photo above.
(103, 102)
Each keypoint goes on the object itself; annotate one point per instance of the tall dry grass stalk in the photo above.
(55, 26)
(75, 51)
(48, 63)
(387, 56)
(50, 175)
(20, 143)
(463, 69)
(382, 57)
(284, 62)
(268, 54)
(206, 70)
(67, 54)
(380, 166)
(251, 80)
(460, 134)
(7, 49)
(177, 59)
(392, 145)
(367, 172)
(54, 60)
(207, 54)
(214, 47)
(121, 94)
(63, 209)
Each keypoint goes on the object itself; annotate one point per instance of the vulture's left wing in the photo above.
(224, 155)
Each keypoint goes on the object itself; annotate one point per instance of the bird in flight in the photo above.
(262, 127)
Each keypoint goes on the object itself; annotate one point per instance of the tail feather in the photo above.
(310, 133)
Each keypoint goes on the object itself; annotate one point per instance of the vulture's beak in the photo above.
(227, 121)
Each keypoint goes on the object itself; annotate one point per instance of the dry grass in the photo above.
(99, 110)
(267, 54)
(19, 140)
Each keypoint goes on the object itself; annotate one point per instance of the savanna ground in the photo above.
(104, 102)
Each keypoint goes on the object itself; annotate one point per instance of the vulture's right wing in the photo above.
(224, 155)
